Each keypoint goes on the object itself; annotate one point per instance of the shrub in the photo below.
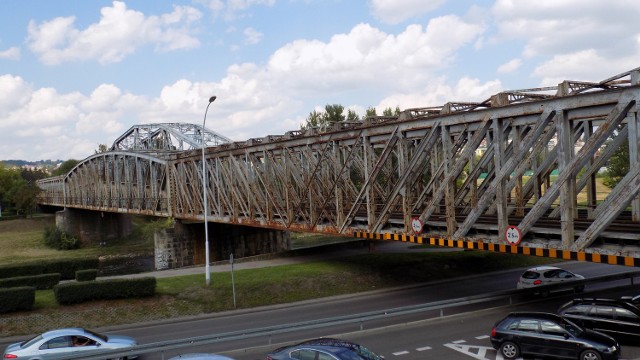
(40, 282)
(77, 292)
(86, 275)
(66, 268)
(17, 298)
(60, 240)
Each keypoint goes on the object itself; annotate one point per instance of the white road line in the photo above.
(424, 348)
(459, 341)
(482, 337)
(400, 353)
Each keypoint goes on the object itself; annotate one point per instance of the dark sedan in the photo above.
(618, 318)
(324, 349)
(549, 335)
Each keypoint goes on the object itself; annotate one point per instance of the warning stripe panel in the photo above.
(504, 248)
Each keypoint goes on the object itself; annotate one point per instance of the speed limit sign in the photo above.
(513, 235)
(416, 225)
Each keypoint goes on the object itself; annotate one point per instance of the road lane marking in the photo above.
(459, 341)
(424, 348)
(400, 353)
(482, 337)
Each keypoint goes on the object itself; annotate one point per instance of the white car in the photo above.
(547, 275)
(66, 342)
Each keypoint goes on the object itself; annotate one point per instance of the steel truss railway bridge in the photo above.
(515, 173)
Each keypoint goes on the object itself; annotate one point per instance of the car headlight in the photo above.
(612, 349)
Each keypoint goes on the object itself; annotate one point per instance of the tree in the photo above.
(617, 166)
(65, 167)
(332, 114)
(391, 112)
(371, 112)
(101, 148)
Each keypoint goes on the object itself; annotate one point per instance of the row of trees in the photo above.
(336, 113)
(18, 189)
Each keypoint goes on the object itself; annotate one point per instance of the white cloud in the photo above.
(367, 56)
(233, 9)
(118, 34)
(255, 100)
(252, 36)
(397, 11)
(510, 66)
(552, 27)
(586, 65)
(12, 53)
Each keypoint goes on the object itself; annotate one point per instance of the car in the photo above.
(618, 318)
(324, 349)
(548, 275)
(550, 335)
(200, 356)
(632, 299)
(67, 341)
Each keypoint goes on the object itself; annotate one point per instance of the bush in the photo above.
(77, 292)
(60, 240)
(86, 275)
(40, 282)
(17, 298)
(66, 268)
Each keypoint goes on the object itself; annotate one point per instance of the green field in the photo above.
(187, 295)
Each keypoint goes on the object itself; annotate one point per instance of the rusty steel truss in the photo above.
(526, 158)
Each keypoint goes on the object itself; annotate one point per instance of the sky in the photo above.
(78, 74)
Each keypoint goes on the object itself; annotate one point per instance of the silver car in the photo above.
(65, 342)
(547, 275)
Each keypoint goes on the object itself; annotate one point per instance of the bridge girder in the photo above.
(464, 170)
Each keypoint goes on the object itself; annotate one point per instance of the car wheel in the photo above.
(510, 350)
(590, 355)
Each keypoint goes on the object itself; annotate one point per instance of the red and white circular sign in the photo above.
(416, 225)
(513, 235)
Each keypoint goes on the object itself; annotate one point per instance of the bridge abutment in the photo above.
(184, 244)
(94, 227)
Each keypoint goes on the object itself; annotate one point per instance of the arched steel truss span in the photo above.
(167, 137)
(527, 158)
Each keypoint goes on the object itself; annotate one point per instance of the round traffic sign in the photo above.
(513, 235)
(416, 225)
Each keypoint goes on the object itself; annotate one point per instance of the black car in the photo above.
(549, 335)
(618, 318)
(324, 349)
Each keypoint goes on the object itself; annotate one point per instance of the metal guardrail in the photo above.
(360, 319)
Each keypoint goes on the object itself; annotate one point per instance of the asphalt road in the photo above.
(417, 336)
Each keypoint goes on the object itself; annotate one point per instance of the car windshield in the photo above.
(572, 328)
(31, 341)
(368, 354)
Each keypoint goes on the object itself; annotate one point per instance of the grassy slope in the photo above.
(186, 295)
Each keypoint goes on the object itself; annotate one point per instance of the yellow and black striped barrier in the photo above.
(504, 248)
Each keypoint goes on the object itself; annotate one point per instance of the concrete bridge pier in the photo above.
(95, 227)
(184, 243)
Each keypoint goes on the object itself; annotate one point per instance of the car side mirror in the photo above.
(566, 335)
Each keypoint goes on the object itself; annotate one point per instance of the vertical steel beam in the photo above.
(567, 189)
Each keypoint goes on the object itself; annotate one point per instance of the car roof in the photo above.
(535, 314)
(64, 331)
(544, 267)
(621, 302)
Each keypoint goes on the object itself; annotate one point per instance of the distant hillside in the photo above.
(39, 163)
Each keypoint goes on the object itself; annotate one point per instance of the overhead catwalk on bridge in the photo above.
(525, 159)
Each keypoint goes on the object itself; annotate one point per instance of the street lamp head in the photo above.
(212, 99)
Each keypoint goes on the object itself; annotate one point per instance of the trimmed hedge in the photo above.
(66, 268)
(40, 282)
(86, 275)
(77, 292)
(17, 298)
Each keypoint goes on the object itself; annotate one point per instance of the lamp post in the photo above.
(204, 197)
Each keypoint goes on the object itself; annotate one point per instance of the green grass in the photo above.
(187, 295)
